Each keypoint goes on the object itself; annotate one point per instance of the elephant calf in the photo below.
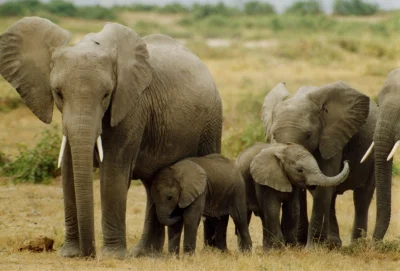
(211, 186)
(273, 175)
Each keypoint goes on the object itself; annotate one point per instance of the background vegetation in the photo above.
(248, 51)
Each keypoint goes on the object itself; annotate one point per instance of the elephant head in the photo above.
(386, 141)
(175, 188)
(280, 166)
(104, 72)
(319, 118)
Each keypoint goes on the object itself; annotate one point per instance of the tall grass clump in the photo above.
(36, 165)
(258, 8)
(310, 7)
(354, 7)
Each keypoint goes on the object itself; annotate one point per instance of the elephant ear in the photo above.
(275, 96)
(192, 179)
(133, 71)
(266, 169)
(25, 58)
(305, 90)
(344, 110)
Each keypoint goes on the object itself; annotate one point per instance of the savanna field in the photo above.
(247, 56)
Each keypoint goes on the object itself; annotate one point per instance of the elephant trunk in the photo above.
(320, 179)
(164, 216)
(82, 137)
(384, 139)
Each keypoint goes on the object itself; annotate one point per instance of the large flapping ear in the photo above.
(266, 169)
(25, 56)
(344, 110)
(275, 96)
(192, 179)
(133, 71)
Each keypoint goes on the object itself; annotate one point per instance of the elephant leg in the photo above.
(220, 232)
(290, 218)
(114, 184)
(317, 230)
(210, 138)
(174, 237)
(362, 199)
(302, 230)
(191, 221)
(333, 234)
(153, 236)
(272, 233)
(240, 218)
(71, 247)
(209, 225)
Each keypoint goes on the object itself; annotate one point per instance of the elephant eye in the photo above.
(105, 96)
(299, 170)
(169, 197)
(58, 93)
(308, 135)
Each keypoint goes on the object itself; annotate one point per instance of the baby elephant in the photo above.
(273, 175)
(211, 186)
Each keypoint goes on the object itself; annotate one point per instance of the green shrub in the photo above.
(38, 164)
(206, 10)
(142, 7)
(12, 9)
(173, 8)
(96, 13)
(258, 8)
(62, 8)
(354, 7)
(310, 7)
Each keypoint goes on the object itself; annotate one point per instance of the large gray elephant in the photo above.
(151, 100)
(211, 186)
(334, 122)
(386, 141)
(273, 174)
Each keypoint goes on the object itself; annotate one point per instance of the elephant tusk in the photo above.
(62, 149)
(100, 148)
(368, 152)
(391, 154)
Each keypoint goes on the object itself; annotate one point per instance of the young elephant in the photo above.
(211, 186)
(273, 175)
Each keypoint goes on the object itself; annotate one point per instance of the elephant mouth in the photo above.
(311, 187)
(177, 212)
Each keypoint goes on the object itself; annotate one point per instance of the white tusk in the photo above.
(391, 154)
(100, 148)
(62, 149)
(368, 152)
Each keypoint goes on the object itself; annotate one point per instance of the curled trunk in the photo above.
(321, 179)
(164, 217)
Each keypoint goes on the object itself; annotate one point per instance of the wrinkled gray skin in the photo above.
(273, 174)
(210, 186)
(387, 132)
(335, 123)
(140, 94)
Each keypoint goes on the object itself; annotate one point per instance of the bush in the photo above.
(143, 7)
(173, 8)
(38, 164)
(62, 8)
(206, 10)
(354, 7)
(12, 9)
(310, 7)
(96, 13)
(258, 8)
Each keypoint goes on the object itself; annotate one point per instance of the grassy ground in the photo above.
(246, 59)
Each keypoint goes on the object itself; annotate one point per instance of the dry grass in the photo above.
(27, 211)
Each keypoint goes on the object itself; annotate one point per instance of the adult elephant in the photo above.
(150, 99)
(386, 141)
(335, 123)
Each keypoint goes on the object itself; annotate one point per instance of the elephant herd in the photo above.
(147, 108)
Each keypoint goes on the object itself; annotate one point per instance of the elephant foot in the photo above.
(114, 252)
(70, 249)
(141, 250)
(333, 243)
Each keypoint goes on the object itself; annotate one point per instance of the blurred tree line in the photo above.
(64, 8)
